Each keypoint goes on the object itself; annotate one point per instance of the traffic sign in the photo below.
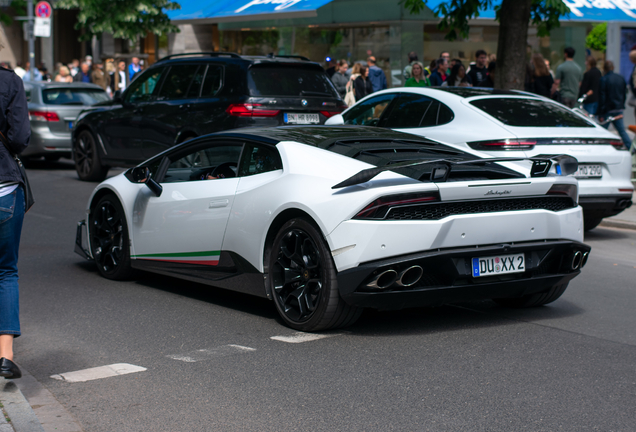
(42, 27)
(43, 9)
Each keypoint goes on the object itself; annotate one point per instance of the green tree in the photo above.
(597, 39)
(514, 18)
(126, 19)
(19, 8)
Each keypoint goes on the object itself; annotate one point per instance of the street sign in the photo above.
(42, 27)
(43, 9)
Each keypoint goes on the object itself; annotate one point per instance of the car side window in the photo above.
(259, 159)
(144, 88)
(213, 81)
(369, 112)
(195, 85)
(177, 82)
(211, 161)
(414, 110)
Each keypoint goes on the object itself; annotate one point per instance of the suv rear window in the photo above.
(530, 113)
(75, 96)
(289, 81)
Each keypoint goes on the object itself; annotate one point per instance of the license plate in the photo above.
(70, 125)
(301, 118)
(589, 171)
(497, 265)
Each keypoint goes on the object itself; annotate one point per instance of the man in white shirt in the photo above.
(121, 78)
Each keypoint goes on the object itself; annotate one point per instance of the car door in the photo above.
(121, 126)
(171, 109)
(186, 224)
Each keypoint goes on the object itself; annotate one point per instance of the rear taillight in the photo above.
(569, 190)
(43, 116)
(250, 110)
(379, 208)
(618, 145)
(330, 113)
(501, 145)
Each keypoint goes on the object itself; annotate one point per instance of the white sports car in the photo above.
(508, 123)
(327, 221)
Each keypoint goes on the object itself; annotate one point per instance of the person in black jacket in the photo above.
(362, 85)
(542, 80)
(612, 95)
(16, 133)
(590, 86)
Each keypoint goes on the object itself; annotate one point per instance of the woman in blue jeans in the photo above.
(15, 134)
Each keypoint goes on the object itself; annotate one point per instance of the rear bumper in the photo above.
(602, 206)
(43, 143)
(447, 275)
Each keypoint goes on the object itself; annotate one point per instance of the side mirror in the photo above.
(143, 175)
(336, 120)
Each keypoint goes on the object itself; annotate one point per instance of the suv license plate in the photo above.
(589, 171)
(301, 118)
(496, 265)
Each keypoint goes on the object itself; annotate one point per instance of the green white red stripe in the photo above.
(200, 258)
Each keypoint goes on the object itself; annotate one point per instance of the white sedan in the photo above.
(327, 221)
(508, 123)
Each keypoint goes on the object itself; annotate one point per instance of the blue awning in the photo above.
(244, 10)
(581, 10)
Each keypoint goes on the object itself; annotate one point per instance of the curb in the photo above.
(23, 419)
(618, 224)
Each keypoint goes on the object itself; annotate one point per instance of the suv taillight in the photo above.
(379, 208)
(250, 110)
(507, 144)
(43, 116)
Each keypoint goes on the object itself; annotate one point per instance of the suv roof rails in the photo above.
(299, 57)
(210, 54)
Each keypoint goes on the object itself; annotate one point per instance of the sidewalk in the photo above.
(625, 220)
(27, 406)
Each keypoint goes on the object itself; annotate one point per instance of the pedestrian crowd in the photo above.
(111, 75)
(366, 77)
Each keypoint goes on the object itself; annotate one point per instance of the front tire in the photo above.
(86, 156)
(303, 280)
(533, 300)
(109, 239)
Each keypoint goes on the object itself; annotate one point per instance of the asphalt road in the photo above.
(569, 366)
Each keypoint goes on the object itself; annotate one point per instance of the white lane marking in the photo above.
(98, 372)
(206, 354)
(300, 337)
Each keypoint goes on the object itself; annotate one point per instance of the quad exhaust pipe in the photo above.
(405, 278)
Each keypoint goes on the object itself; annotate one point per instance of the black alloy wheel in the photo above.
(109, 239)
(87, 162)
(303, 280)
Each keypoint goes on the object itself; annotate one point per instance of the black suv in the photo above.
(187, 95)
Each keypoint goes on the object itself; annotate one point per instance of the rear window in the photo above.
(289, 81)
(76, 96)
(530, 113)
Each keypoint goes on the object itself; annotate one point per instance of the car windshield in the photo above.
(73, 96)
(296, 81)
(530, 113)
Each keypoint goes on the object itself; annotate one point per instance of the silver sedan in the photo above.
(53, 108)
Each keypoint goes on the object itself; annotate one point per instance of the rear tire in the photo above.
(591, 223)
(303, 282)
(86, 156)
(110, 242)
(533, 300)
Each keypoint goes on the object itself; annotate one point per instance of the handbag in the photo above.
(350, 97)
(28, 194)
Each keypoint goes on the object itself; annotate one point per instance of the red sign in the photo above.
(43, 9)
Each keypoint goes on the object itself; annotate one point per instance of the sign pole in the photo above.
(31, 39)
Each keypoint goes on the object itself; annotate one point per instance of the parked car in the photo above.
(509, 123)
(53, 109)
(328, 221)
(188, 95)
